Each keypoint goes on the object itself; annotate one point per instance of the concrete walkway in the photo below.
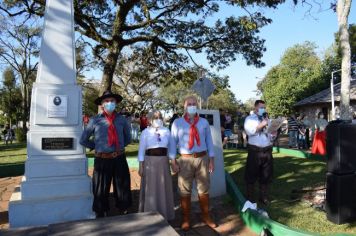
(221, 210)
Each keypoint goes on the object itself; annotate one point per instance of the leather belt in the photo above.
(156, 152)
(108, 155)
(195, 155)
(259, 149)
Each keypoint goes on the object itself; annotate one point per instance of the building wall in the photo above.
(312, 111)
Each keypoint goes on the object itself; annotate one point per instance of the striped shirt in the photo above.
(292, 124)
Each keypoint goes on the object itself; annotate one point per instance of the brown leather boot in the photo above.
(204, 206)
(264, 194)
(250, 192)
(185, 203)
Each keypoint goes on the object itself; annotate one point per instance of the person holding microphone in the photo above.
(259, 165)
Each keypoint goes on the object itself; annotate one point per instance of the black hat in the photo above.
(108, 94)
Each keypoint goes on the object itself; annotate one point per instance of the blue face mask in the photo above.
(110, 106)
(261, 111)
(192, 110)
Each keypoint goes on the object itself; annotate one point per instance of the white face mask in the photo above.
(157, 123)
(192, 110)
(321, 117)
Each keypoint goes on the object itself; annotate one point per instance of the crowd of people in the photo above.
(303, 131)
(189, 137)
(233, 125)
(109, 132)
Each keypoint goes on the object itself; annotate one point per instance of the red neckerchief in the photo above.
(193, 131)
(113, 139)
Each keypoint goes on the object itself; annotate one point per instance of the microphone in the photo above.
(265, 115)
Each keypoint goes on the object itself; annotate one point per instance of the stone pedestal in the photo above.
(56, 187)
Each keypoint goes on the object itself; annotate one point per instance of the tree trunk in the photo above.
(109, 68)
(25, 108)
(343, 10)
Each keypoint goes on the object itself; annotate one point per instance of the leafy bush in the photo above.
(20, 135)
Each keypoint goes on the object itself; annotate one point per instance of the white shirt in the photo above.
(259, 139)
(321, 124)
(153, 138)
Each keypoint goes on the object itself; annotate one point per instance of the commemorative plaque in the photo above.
(57, 143)
(57, 106)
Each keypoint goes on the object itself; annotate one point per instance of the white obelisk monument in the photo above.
(56, 187)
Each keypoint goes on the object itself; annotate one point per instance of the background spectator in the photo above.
(143, 121)
(135, 127)
(292, 131)
(9, 134)
(175, 116)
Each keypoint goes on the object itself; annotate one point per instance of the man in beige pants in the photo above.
(192, 135)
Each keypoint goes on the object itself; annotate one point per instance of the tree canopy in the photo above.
(10, 96)
(297, 76)
(166, 30)
(171, 95)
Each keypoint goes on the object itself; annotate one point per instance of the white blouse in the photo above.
(153, 138)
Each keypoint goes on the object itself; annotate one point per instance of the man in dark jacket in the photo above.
(111, 135)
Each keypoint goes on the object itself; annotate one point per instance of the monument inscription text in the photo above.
(57, 143)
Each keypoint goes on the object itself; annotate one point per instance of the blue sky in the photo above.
(291, 25)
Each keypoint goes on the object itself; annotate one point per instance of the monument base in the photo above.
(23, 213)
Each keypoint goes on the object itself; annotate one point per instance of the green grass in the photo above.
(12, 153)
(290, 173)
(16, 153)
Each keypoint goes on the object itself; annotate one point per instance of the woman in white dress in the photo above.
(156, 192)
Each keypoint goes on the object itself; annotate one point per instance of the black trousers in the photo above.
(259, 165)
(307, 138)
(105, 171)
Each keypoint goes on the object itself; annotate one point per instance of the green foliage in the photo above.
(173, 92)
(20, 135)
(298, 76)
(19, 43)
(249, 105)
(352, 38)
(162, 29)
(224, 99)
(10, 97)
(90, 93)
(352, 32)
(9, 79)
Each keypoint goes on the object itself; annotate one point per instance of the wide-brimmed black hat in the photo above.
(108, 94)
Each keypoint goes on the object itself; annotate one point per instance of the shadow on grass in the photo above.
(11, 170)
(290, 173)
(12, 147)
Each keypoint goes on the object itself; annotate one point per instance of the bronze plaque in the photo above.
(57, 143)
